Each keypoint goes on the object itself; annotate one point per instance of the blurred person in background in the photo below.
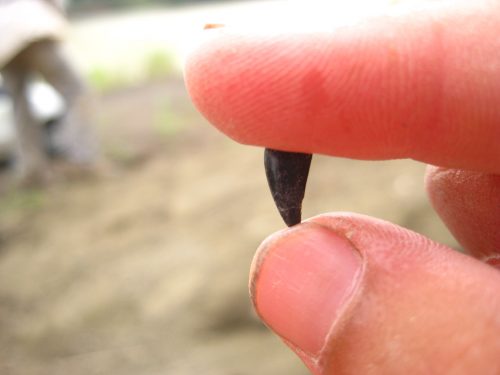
(30, 49)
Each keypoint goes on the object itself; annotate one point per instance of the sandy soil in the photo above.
(144, 269)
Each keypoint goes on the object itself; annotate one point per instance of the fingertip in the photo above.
(387, 87)
(468, 202)
(402, 310)
(301, 281)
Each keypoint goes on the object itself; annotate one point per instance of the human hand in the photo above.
(348, 293)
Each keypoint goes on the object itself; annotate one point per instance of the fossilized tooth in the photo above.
(287, 177)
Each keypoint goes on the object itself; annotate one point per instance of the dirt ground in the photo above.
(143, 270)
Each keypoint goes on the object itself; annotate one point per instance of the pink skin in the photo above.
(302, 269)
(469, 203)
(398, 304)
(424, 86)
(351, 294)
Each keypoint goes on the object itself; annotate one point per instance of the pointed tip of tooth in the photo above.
(291, 216)
(287, 177)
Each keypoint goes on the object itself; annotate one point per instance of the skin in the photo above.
(348, 293)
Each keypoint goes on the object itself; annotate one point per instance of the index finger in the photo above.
(422, 85)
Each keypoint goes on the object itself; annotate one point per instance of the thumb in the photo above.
(355, 295)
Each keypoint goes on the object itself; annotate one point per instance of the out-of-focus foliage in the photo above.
(97, 5)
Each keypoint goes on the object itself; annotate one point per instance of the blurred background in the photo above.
(143, 268)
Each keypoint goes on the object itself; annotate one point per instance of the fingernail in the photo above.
(301, 280)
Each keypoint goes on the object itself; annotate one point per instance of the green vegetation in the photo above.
(105, 80)
(120, 153)
(167, 121)
(76, 6)
(22, 200)
(159, 64)
(156, 64)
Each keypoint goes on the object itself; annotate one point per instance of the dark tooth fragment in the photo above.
(287, 177)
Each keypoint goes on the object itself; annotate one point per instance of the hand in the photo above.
(348, 293)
